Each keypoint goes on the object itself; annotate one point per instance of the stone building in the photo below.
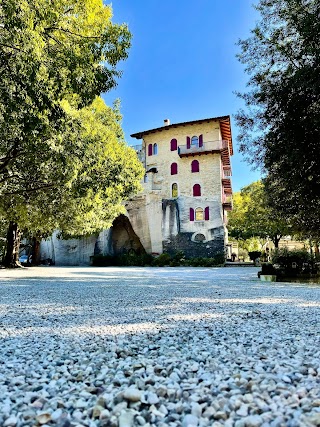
(183, 206)
(187, 187)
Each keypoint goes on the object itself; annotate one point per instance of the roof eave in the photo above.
(140, 135)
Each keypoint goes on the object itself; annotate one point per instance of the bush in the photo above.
(219, 259)
(268, 268)
(293, 262)
(162, 260)
(133, 259)
(130, 259)
(254, 255)
(140, 260)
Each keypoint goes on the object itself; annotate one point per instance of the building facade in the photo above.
(187, 187)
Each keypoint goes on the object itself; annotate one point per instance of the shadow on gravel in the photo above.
(115, 301)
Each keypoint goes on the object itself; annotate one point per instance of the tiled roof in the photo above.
(225, 128)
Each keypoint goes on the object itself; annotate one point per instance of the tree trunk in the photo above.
(276, 239)
(11, 258)
(310, 244)
(35, 251)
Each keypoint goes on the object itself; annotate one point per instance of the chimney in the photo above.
(166, 122)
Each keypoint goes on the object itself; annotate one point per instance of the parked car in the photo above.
(24, 259)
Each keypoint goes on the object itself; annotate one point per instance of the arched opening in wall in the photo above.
(199, 238)
(173, 144)
(124, 239)
(195, 166)
(174, 169)
(196, 190)
(199, 214)
(174, 190)
(194, 141)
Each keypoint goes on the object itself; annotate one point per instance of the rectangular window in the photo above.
(206, 213)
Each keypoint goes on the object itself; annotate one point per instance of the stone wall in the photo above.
(194, 238)
(145, 215)
(209, 176)
(192, 249)
(68, 251)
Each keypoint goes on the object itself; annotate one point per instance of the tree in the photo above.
(49, 52)
(55, 167)
(252, 217)
(280, 128)
(105, 172)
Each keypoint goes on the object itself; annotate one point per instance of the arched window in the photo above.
(194, 141)
(155, 149)
(174, 190)
(191, 214)
(150, 150)
(199, 238)
(199, 214)
(173, 145)
(174, 168)
(196, 190)
(195, 166)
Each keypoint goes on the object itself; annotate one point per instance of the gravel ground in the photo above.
(122, 347)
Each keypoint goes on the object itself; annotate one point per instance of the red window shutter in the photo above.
(188, 142)
(191, 214)
(200, 140)
(150, 150)
(174, 169)
(196, 190)
(174, 144)
(194, 166)
(206, 213)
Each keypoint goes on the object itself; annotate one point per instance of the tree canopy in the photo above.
(50, 52)
(280, 126)
(252, 217)
(63, 159)
(102, 171)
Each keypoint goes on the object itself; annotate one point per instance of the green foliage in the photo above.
(177, 259)
(139, 260)
(102, 171)
(254, 255)
(285, 259)
(268, 268)
(252, 217)
(294, 263)
(63, 160)
(50, 52)
(219, 259)
(162, 260)
(280, 126)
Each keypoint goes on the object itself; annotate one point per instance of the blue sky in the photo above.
(182, 65)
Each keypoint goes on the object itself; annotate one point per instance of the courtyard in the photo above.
(126, 347)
